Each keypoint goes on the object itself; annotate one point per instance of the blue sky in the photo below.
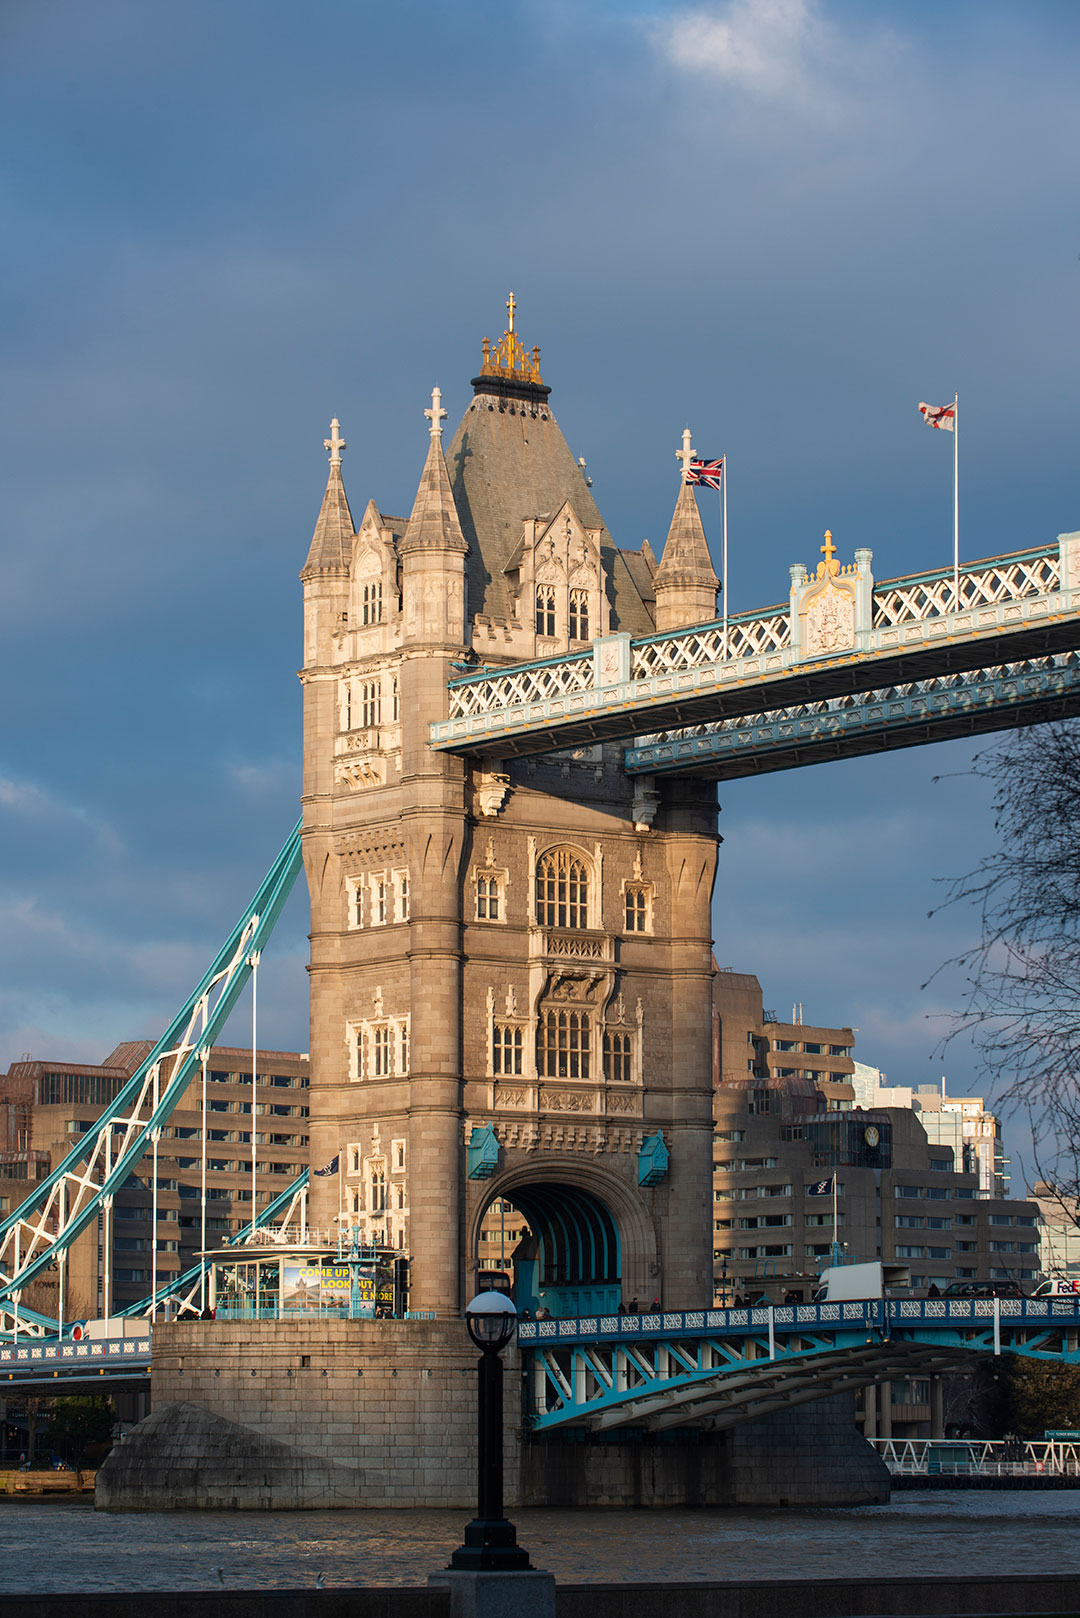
(783, 222)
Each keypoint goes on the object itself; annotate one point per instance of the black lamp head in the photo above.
(491, 1318)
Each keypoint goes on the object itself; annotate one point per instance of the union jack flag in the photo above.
(706, 472)
(943, 416)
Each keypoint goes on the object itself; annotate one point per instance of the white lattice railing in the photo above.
(905, 601)
(517, 687)
(749, 637)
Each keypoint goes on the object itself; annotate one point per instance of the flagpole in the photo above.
(723, 558)
(956, 498)
(835, 1230)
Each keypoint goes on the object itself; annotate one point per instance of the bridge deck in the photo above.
(1011, 609)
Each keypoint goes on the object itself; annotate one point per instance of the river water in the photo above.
(64, 1546)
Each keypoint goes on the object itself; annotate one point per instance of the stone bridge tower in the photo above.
(511, 963)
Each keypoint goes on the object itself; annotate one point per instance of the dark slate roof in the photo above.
(509, 461)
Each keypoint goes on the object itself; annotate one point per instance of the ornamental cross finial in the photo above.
(686, 454)
(511, 305)
(436, 415)
(828, 550)
(335, 443)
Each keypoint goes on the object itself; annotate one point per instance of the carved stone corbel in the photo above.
(492, 791)
(646, 802)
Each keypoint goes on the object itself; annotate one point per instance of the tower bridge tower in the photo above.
(511, 961)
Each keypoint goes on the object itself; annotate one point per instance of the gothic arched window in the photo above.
(545, 609)
(579, 615)
(562, 1044)
(371, 602)
(562, 890)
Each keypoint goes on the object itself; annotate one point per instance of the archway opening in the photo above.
(565, 1256)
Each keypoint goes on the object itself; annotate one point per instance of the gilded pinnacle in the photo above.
(510, 358)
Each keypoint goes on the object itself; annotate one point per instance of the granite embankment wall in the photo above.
(1022, 1596)
(287, 1415)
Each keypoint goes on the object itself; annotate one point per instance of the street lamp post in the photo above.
(490, 1544)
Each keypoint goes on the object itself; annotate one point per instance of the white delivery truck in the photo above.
(849, 1283)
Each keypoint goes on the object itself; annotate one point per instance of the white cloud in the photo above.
(761, 45)
(773, 50)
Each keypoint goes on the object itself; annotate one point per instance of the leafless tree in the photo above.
(1023, 976)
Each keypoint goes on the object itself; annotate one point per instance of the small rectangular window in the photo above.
(370, 703)
(617, 1057)
(488, 896)
(637, 910)
(507, 1043)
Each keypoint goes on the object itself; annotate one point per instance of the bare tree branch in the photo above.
(1022, 1006)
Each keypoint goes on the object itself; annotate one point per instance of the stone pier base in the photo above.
(285, 1415)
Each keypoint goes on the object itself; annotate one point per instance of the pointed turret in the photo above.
(332, 541)
(685, 581)
(434, 523)
(433, 552)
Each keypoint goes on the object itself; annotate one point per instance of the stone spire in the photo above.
(685, 581)
(434, 523)
(332, 542)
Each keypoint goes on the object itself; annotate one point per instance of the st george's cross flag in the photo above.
(331, 1167)
(820, 1188)
(708, 473)
(943, 416)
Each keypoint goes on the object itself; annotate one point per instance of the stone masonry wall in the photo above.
(395, 1399)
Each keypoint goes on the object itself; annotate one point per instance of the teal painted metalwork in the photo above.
(724, 1366)
(652, 1160)
(965, 704)
(25, 1235)
(482, 1153)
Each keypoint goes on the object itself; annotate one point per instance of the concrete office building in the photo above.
(787, 1121)
(962, 1123)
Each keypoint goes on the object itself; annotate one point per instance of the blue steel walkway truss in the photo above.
(717, 1368)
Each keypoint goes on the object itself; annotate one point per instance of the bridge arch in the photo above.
(592, 1240)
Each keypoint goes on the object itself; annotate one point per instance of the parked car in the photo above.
(984, 1289)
